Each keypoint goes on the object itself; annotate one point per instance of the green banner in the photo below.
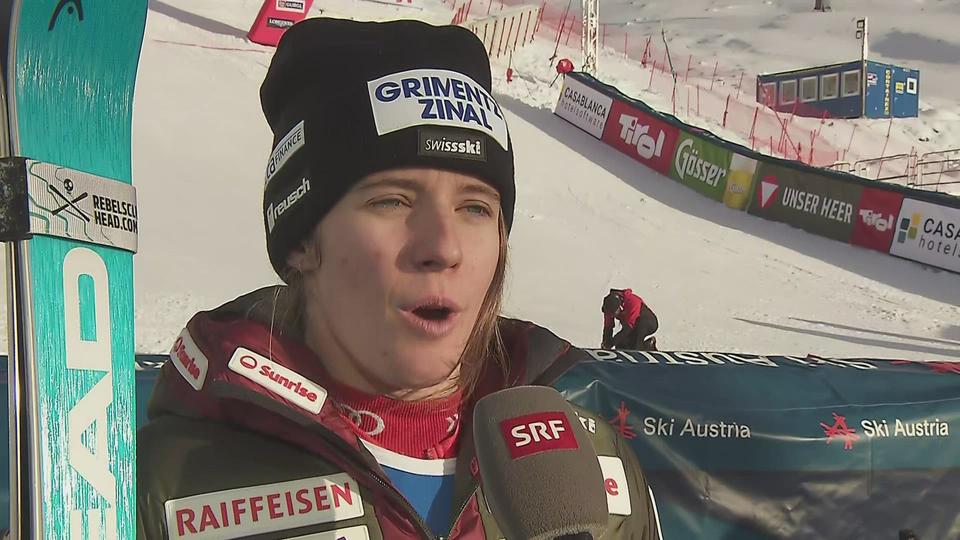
(813, 202)
(701, 165)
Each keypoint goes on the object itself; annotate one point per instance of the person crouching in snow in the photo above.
(638, 322)
(341, 402)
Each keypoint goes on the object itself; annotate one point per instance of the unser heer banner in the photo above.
(779, 447)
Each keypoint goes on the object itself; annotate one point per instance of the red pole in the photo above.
(489, 5)
(740, 84)
(725, 109)
(715, 65)
(673, 98)
(850, 144)
(753, 128)
(536, 28)
(686, 76)
(516, 38)
(526, 29)
(813, 138)
(570, 31)
(469, 7)
(652, 71)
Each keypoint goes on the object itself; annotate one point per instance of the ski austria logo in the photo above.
(189, 360)
(636, 134)
(278, 379)
(881, 428)
(435, 97)
(908, 228)
(768, 189)
(275, 210)
(286, 148)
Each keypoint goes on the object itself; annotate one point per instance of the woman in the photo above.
(340, 403)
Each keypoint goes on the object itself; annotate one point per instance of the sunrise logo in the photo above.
(908, 228)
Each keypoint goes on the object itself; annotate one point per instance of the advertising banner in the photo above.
(584, 107)
(701, 165)
(818, 204)
(928, 233)
(641, 136)
(743, 171)
(776, 447)
(876, 218)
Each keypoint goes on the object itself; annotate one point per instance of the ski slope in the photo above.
(587, 218)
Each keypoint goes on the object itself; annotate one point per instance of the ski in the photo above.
(68, 216)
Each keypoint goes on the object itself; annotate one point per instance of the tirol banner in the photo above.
(642, 136)
(876, 218)
(812, 202)
(701, 165)
(776, 447)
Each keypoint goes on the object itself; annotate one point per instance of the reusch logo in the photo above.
(538, 432)
(274, 211)
(768, 189)
(279, 379)
(908, 228)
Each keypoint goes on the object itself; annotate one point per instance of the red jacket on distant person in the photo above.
(628, 315)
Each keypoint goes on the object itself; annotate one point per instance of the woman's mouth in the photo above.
(432, 317)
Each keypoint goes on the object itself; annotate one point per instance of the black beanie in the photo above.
(346, 99)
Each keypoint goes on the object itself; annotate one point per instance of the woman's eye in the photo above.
(389, 204)
(479, 210)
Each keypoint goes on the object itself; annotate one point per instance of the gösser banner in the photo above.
(813, 203)
(701, 166)
(584, 107)
(928, 233)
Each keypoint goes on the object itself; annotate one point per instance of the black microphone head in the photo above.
(540, 473)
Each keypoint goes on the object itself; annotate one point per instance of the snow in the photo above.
(587, 217)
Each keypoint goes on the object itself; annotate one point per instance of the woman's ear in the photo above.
(305, 257)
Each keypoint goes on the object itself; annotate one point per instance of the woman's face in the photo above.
(400, 270)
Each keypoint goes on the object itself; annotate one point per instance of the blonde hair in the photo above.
(484, 348)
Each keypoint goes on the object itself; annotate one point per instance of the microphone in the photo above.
(541, 476)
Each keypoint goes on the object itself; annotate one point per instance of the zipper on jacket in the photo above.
(466, 503)
(350, 454)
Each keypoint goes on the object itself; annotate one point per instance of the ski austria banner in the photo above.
(928, 233)
(765, 447)
(776, 447)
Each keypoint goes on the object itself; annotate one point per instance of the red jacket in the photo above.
(629, 314)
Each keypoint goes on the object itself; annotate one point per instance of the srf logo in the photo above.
(539, 432)
(908, 228)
